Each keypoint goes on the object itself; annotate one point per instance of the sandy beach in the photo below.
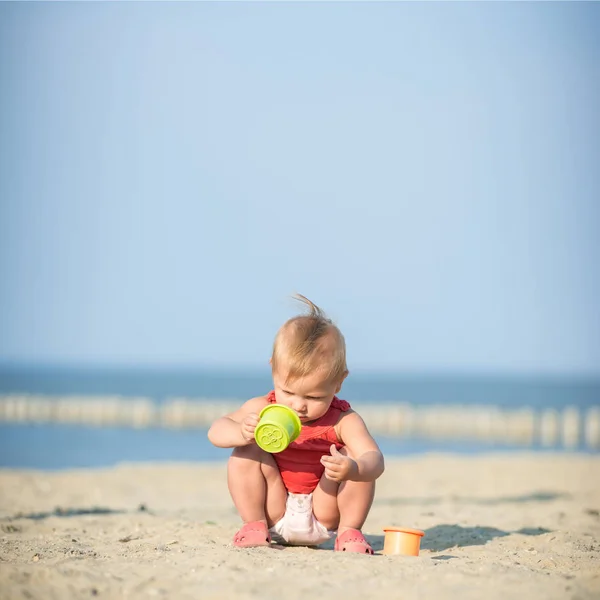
(497, 526)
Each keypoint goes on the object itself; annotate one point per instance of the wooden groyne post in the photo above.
(568, 428)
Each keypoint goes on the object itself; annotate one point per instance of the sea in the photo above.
(59, 446)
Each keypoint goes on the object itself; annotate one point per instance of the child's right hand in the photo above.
(248, 425)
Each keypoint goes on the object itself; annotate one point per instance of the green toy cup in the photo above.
(278, 427)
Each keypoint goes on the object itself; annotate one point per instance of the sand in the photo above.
(497, 526)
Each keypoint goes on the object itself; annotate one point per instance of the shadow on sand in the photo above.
(437, 539)
(73, 512)
(445, 537)
(433, 500)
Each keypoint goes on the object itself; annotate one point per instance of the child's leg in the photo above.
(343, 506)
(255, 485)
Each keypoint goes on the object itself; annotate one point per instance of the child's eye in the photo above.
(286, 392)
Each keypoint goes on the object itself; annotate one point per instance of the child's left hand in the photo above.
(338, 467)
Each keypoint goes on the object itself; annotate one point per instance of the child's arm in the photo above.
(237, 428)
(365, 462)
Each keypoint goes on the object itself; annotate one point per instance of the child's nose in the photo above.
(299, 407)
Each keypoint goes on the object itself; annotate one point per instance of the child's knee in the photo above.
(251, 451)
(345, 452)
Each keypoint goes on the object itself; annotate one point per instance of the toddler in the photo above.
(324, 481)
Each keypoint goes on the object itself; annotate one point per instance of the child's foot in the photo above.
(352, 540)
(252, 535)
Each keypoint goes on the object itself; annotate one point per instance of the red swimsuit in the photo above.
(299, 464)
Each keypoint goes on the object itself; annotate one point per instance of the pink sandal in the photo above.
(252, 535)
(352, 540)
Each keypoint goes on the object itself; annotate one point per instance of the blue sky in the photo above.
(426, 172)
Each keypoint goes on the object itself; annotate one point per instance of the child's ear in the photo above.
(339, 385)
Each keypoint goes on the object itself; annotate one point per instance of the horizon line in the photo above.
(166, 367)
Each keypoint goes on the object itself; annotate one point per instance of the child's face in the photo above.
(309, 396)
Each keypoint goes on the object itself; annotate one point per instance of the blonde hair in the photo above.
(310, 342)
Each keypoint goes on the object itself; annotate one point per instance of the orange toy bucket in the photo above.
(402, 540)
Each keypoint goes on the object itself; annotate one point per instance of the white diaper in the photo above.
(299, 526)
